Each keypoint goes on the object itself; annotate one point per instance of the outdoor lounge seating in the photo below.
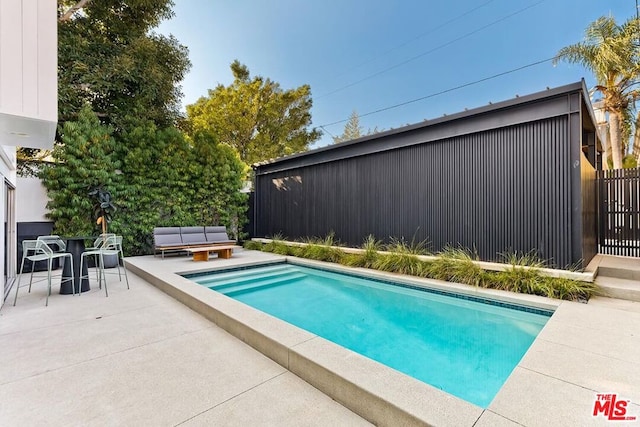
(178, 239)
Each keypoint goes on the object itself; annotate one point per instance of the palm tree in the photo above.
(610, 51)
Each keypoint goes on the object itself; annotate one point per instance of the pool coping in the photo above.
(374, 391)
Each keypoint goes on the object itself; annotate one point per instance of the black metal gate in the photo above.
(619, 212)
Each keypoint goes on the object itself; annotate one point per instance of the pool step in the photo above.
(249, 287)
(219, 277)
(241, 280)
(214, 277)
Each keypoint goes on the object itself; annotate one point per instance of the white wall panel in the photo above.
(47, 83)
(30, 58)
(28, 72)
(11, 72)
(31, 200)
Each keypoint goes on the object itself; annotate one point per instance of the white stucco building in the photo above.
(28, 104)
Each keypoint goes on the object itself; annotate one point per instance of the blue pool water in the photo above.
(465, 347)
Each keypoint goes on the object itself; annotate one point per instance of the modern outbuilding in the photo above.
(515, 176)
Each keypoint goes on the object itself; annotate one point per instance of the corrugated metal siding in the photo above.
(589, 209)
(500, 190)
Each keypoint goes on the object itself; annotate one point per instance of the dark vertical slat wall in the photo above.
(619, 222)
(249, 227)
(514, 176)
(506, 189)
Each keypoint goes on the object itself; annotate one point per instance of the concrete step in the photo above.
(614, 287)
(619, 267)
(619, 272)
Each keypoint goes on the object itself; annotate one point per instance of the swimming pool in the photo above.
(465, 346)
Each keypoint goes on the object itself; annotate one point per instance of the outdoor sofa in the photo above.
(178, 239)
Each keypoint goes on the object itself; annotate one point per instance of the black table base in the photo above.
(75, 246)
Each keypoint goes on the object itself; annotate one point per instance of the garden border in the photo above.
(587, 276)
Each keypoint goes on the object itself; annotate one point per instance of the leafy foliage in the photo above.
(403, 247)
(252, 245)
(157, 176)
(118, 107)
(255, 116)
(456, 265)
(218, 175)
(452, 264)
(168, 180)
(277, 246)
(353, 130)
(103, 207)
(328, 240)
(368, 257)
(321, 253)
(398, 262)
(153, 189)
(526, 259)
(109, 57)
(612, 53)
(85, 160)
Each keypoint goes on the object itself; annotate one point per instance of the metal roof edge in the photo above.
(492, 107)
(587, 101)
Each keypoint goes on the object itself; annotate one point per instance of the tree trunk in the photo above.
(615, 139)
(636, 140)
(603, 131)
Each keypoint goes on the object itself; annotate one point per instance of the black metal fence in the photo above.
(619, 218)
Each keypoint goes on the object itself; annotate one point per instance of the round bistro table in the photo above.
(75, 246)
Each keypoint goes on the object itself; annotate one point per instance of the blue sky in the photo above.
(365, 55)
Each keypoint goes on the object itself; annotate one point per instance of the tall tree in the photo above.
(255, 116)
(636, 139)
(109, 57)
(353, 130)
(610, 51)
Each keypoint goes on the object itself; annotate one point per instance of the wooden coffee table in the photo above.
(202, 253)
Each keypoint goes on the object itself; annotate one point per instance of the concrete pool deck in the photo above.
(140, 357)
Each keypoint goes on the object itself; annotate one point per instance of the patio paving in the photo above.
(139, 357)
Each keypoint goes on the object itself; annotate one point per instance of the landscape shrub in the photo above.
(452, 265)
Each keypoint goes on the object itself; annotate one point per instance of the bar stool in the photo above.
(93, 251)
(40, 251)
(52, 240)
(111, 245)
